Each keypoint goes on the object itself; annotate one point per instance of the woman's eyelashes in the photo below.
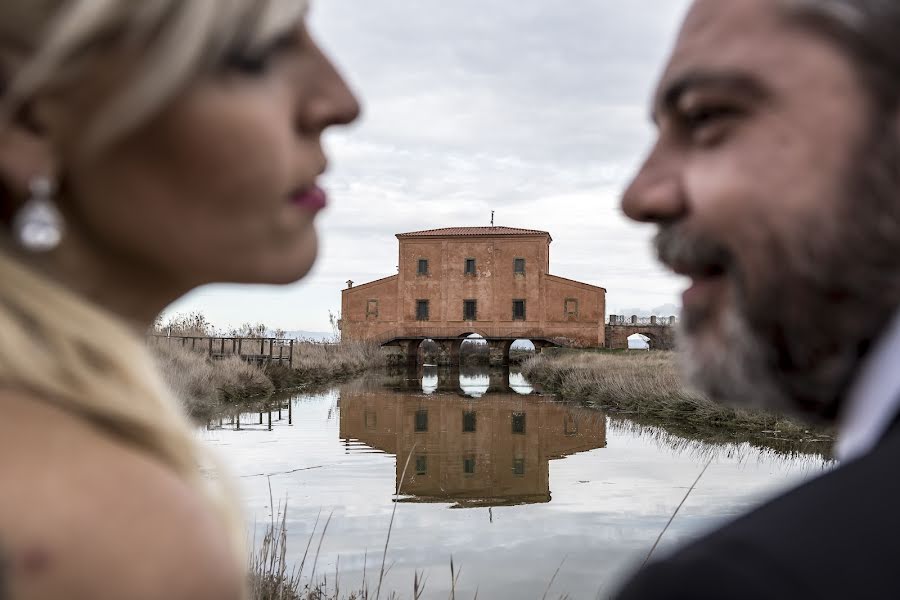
(257, 61)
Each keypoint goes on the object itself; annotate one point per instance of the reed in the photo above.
(208, 387)
(646, 387)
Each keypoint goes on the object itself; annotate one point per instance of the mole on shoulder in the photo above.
(33, 561)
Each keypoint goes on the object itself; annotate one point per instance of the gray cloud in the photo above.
(534, 109)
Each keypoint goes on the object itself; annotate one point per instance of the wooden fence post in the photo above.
(291, 356)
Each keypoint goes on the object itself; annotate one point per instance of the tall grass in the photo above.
(646, 387)
(207, 387)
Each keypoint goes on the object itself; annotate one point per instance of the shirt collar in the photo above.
(874, 398)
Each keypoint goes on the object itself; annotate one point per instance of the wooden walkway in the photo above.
(259, 351)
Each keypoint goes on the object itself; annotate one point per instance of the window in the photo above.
(571, 308)
(421, 420)
(469, 421)
(371, 419)
(371, 309)
(469, 465)
(421, 310)
(423, 267)
(519, 266)
(518, 310)
(518, 422)
(470, 310)
(421, 464)
(470, 266)
(518, 466)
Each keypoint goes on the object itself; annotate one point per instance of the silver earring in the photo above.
(38, 226)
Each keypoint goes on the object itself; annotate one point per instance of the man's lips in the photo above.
(312, 198)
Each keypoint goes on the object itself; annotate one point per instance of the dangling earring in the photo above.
(38, 226)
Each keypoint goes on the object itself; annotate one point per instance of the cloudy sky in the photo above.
(534, 109)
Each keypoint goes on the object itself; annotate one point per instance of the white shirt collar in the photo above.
(874, 398)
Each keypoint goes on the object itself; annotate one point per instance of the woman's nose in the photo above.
(335, 103)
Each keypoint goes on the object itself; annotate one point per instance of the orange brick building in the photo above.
(493, 281)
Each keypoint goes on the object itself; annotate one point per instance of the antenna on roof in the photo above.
(492, 218)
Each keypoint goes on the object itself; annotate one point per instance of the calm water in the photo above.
(508, 482)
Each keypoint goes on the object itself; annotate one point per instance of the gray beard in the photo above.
(795, 347)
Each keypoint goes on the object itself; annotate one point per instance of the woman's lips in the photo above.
(313, 199)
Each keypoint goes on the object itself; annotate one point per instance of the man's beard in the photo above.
(794, 343)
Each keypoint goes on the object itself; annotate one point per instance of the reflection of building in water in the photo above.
(477, 452)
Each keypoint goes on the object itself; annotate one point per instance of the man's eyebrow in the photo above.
(668, 99)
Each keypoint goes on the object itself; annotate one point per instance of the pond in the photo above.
(511, 484)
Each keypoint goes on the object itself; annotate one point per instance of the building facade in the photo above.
(493, 281)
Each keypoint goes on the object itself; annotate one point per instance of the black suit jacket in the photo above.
(837, 536)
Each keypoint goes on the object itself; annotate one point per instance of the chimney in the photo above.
(349, 283)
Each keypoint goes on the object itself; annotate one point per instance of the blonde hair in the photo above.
(54, 343)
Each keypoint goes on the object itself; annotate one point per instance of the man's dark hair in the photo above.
(868, 31)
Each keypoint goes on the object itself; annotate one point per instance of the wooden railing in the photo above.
(270, 350)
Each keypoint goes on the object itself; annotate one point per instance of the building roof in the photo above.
(473, 231)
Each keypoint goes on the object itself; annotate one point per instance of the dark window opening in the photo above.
(469, 465)
(519, 266)
(518, 422)
(423, 267)
(470, 310)
(469, 421)
(470, 266)
(518, 466)
(421, 310)
(372, 308)
(518, 310)
(421, 420)
(421, 464)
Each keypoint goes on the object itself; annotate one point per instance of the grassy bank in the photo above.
(645, 387)
(208, 387)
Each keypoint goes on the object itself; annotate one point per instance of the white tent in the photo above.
(638, 341)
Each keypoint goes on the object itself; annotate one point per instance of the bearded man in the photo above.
(775, 185)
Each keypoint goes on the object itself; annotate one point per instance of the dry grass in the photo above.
(646, 387)
(207, 387)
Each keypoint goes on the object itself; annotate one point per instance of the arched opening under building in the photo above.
(474, 350)
(640, 341)
(429, 352)
(520, 351)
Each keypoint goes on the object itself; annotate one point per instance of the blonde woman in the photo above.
(146, 147)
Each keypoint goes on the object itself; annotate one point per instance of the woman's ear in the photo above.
(26, 151)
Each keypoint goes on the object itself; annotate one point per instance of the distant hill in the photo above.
(316, 336)
(666, 310)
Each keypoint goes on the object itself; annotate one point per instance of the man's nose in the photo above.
(656, 194)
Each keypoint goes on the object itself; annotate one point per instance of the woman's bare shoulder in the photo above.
(83, 515)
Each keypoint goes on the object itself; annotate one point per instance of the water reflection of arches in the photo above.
(474, 384)
(487, 452)
(472, 381)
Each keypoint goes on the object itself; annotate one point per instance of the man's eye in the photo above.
(706, 124)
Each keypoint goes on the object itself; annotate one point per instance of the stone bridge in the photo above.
(450, 339)
(660, 330)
